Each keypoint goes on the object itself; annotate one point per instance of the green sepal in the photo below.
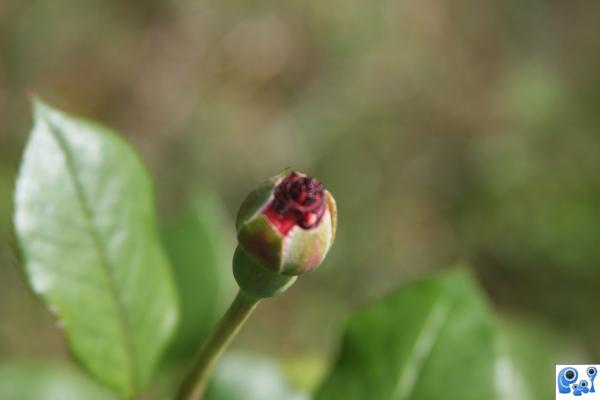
(257, 200)
(260, 239)
(305, 249)
(257, 281)
(331, 205)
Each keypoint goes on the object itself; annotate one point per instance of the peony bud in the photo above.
(287, 225)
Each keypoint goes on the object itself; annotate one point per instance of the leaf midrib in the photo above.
(88, 214)
(423, 348)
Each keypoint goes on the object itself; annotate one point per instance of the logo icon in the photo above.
(576, 381)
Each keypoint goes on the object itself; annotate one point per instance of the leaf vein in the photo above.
(423, 347)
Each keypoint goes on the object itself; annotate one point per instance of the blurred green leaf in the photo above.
(306, 370)
(199, 251)
(85, 221)
(535, 347)
(48, 381)
(244, 377)
(433, 339)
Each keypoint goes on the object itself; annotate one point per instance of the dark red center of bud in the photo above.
(298, 201)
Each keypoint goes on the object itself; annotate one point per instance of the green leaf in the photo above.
(433, 339)
(245, 377)
(85, 222)
(47, 381)
(535, 347)
(201, 257)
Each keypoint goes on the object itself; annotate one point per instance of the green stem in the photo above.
(194, 385)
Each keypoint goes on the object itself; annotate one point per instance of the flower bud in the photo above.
(287, 224)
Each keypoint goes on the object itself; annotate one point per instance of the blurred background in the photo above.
(462, 131)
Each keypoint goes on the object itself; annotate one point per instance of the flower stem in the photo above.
(194, 385)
